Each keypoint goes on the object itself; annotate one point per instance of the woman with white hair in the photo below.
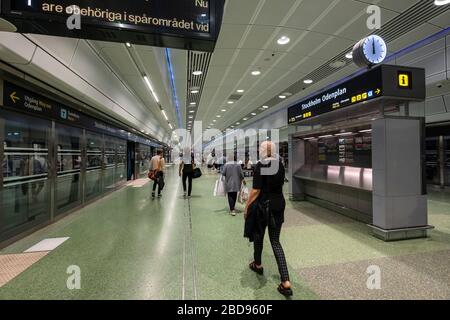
(265, 209)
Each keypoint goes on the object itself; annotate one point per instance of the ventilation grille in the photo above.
(412, 18)
(197, 61)
(235, 97)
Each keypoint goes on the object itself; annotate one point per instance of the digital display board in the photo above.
(393, 82)
(157, 21)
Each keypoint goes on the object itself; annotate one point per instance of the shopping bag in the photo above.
(243, 195)
(219, 189)
(152, 175)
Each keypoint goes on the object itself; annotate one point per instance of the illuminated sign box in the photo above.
(384, 81)
(187, 24)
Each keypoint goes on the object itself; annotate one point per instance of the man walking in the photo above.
(158, 164)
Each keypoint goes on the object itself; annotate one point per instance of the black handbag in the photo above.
(197, 173)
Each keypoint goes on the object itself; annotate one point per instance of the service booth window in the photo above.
(68, 166)
(94, 165)
(352, 150)
(25, 194)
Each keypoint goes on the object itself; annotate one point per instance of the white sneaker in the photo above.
(233, 213)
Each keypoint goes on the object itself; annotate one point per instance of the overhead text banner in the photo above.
(153, 22)
(19, 99)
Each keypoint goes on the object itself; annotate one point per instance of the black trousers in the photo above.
(188, 176)
(232, 197)
(274, 235)
(159, 182)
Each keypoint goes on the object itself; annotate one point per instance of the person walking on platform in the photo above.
(265, 209)
(234, 177)
(186, 171)
(158, 164)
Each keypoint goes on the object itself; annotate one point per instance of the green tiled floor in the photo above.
(129, 246)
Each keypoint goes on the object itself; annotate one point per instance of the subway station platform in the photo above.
(129, 246)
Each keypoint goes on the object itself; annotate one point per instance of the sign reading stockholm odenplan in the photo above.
(186, 24)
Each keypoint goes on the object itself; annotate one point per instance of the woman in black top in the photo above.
(267, 190)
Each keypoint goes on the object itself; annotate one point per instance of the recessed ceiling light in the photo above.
(245, 119)
(308, 81)
(230, 102)
(240, 91)
(197, 73)
(282, 97)
(265, 107)
(191, 117)
(128, 44)
(238, 123)
(283, 40)
(214, 121)
(218, 116)
(193, 103)
(349, 55)
(256, 73)
(195, 91)
(224, 110)
(192, 111)
(253, 114)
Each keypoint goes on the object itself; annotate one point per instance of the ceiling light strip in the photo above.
(174, 90)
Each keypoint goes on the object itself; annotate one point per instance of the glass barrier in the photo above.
(432, 160)
(25, 195)
(447, 161)
(121, 170)
(68, 167)
(94, 152)
(110, 163)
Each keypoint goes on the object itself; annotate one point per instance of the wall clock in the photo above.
(370, 51)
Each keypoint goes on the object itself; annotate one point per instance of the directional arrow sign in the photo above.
(378, 91)
(14, 97)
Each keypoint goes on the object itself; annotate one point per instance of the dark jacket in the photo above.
(259, 217)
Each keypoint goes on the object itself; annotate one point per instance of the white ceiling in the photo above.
(319, 30)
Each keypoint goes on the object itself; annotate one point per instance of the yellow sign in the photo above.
(353, 99)
(359, 97)
(14, 97)
(307, 115)
(403, 80)
(364, 95)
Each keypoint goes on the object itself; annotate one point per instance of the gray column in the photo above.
(296, 161)
(399, 190)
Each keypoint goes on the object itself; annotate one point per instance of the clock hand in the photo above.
(373, 45)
